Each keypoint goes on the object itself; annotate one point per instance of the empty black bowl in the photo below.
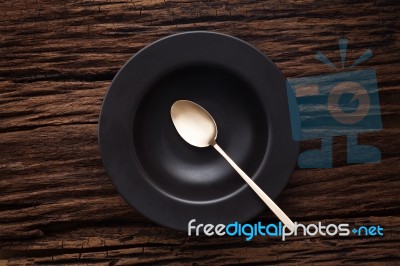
(167, 179)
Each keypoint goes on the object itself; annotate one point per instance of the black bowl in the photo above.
(167, 179)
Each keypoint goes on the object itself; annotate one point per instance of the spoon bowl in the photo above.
(195, 125)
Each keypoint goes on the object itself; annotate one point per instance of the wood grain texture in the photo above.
(57, 59)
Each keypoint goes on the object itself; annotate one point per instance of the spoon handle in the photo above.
(270, 203)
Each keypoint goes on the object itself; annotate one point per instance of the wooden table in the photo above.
(57, 59)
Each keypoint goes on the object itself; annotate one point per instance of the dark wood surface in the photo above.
(57, 58)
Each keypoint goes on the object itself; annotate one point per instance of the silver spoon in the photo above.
(197, 127)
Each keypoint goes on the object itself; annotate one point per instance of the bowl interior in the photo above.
(200, 174)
